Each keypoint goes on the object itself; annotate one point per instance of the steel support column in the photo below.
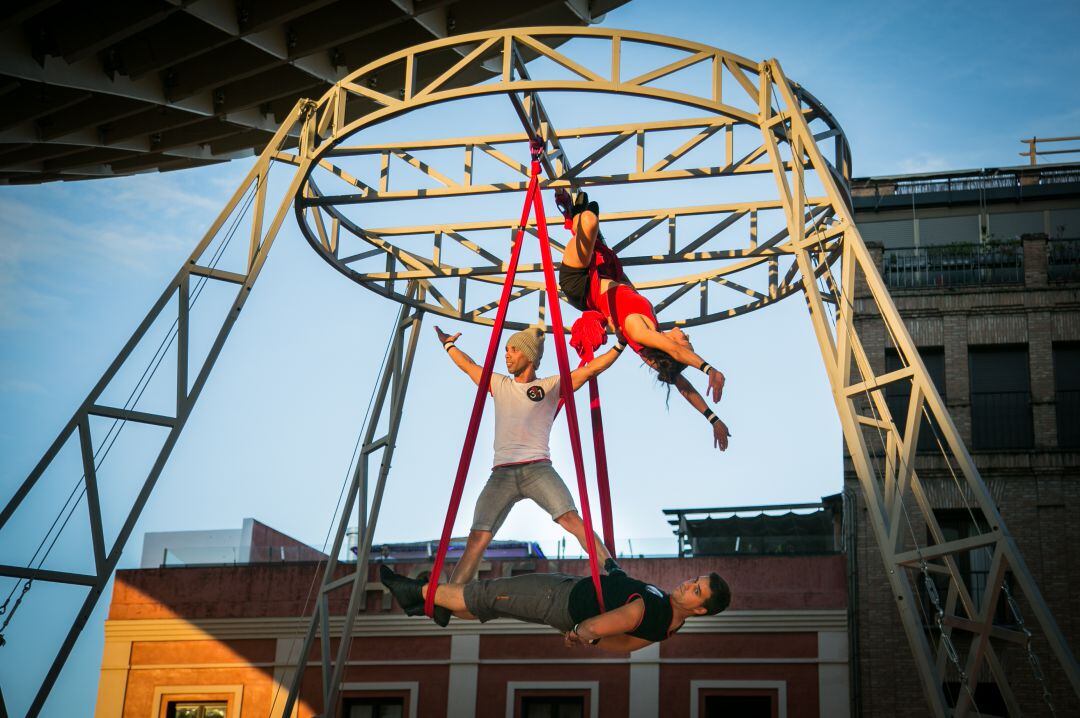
(894, 491)
(390, 397)
(199, 265)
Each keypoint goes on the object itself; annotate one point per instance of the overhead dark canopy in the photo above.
(99, 89)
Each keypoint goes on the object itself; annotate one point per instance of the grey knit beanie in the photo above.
(529, 342)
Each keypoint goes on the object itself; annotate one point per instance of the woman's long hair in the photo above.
(667, 368)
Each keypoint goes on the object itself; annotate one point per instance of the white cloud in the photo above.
(19, 386)
(133, 224)
(925, 162)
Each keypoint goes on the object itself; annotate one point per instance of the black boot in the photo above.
(407, 591)
(440, 615)
(582, 204)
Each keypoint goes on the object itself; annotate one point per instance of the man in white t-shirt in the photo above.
(524, 412)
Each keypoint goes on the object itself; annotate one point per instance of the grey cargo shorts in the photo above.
(533, 597)
(509, 484)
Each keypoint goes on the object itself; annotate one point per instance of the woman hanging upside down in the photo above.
(592, 278)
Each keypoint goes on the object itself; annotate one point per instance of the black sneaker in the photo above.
(407, 591)
(582, 203)
(610, 567)
(442, 616)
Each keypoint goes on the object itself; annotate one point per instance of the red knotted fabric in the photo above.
(586, 336)
(533, 201)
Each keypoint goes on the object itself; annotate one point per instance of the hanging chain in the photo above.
(3, 610)
(939, 620)
(1033, 659)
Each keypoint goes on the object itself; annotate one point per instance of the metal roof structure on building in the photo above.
(971, 186)
(104, 89)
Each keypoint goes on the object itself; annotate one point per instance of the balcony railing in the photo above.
(953, 265)
(1063, 260)
(1001, 420)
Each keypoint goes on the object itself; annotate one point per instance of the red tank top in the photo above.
(621, 300)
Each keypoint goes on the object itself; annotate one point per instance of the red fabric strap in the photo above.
(600, 454)
(586, 336)
(566, 386)
(533, 200)
(478, 403)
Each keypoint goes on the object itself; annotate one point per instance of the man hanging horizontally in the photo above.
(638, 613)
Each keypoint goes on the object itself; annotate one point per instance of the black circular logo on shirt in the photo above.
(536, 393)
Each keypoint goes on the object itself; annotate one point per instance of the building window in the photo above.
(548, 705)
(1000, 398)
(746, 699)
(898, 393)
(197, 709)
(374, 707)
(180, 701)
(1067, 394)
(552, 699)
(379, 700)
(749, 705)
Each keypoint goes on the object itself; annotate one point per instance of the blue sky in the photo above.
(917, 87)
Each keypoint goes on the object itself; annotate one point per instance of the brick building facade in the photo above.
(984, 266)
(226, 637)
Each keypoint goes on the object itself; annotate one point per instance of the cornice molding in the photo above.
(174, 629)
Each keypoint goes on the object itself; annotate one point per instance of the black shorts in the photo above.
(574, 282)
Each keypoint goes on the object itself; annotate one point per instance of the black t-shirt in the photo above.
(619, 590)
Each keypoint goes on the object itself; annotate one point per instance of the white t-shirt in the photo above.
(524, 413)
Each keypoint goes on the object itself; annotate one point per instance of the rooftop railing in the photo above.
(552, 548)
(1015, 178)
(953, 265)
(775, 529)
(174, 556)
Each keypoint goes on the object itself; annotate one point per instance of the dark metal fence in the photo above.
(1001, 420)
(1063, 260)
(954, 265)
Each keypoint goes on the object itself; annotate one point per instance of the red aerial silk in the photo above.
(533, 201)
(586, 336)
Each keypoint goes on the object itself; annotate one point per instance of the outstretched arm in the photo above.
(636, 329)
(609, 624)
(720, 430)
(579, 376)
(609, 631)
(460, 358)
(622, 644)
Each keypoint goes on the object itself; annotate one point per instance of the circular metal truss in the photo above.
(739, 256)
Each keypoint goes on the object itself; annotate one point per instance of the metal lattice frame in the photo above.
(739, 97)
(392, 385)
(190, 378)
(736, 268)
